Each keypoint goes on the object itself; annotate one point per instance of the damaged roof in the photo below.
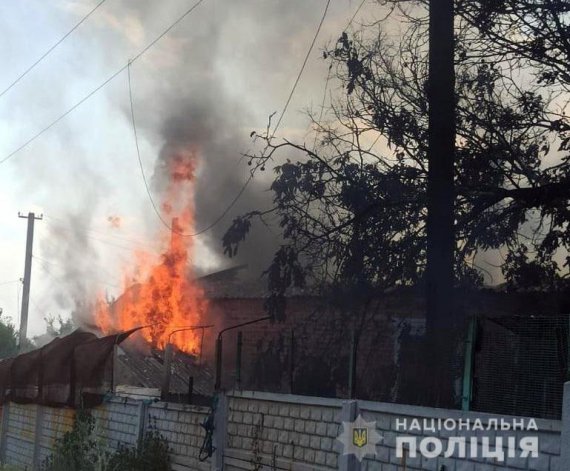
(136, 368)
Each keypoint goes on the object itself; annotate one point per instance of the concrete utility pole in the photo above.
(440, 188)
(31, 217)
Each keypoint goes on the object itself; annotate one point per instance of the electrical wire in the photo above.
(111, 244)
(153, 204)
(36, 304)
(329, 73)
(99, 87)
(150, 197)
(9, 282)
(134, 242)
(302, 69)
(247, 182)
(44, 265)
(354, 16)
(45, 54)
(18, 307)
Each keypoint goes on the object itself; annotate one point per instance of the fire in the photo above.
(164, 295)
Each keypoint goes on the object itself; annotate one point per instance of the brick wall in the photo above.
(280, 433)
(298, 432)
(32, 430)
(386, 416)
(181, 425)
(20, 433)
(390, 366)
(266, 431)
(321, 346)
(55, 422)
(117, 422)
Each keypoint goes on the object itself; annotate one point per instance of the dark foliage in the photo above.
(81, 450)
(352, 207)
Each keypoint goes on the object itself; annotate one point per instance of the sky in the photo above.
(211, 80)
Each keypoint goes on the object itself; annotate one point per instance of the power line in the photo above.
(152, 202)
(139, 152)
(247, 182)
(302, 69)
(57, 120)
(10, 282)
(45, 54)
(329, 73)
(44, 264)
(69, 230)
(99, 87)
(36, 305)
(354, 16)
(18, 298)
(134, 242)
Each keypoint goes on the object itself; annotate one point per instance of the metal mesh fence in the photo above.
(520, 365)
(315, 357)
(512, 365)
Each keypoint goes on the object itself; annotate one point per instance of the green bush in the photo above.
(81, 450)
(78, 449)
(150, 455)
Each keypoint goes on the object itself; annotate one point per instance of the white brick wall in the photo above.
(262, 428)
(181, 425)
(117, 422)
(278, 430)
(386, 415)
(55, 422)
(264, 432)
(19, 446)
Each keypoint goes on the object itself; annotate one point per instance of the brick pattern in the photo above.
(55, 422)
(181, 426)
(320, 344)
(20, 435)
(117, 421)
(386, 459)
(276, 431)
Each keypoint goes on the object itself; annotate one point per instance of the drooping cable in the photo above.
(99, 87)
(247, 182)
(49, 51)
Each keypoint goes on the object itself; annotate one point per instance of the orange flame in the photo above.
(164, 295)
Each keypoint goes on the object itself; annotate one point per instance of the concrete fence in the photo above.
(29, 432)
(285, 432)
(264, 431)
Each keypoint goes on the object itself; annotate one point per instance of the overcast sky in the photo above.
(214, 78)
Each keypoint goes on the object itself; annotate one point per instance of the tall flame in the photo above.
(164, 295)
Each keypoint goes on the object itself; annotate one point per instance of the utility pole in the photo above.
(31, 217)
(440, 193)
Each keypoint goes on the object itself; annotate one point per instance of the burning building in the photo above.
(161, 293)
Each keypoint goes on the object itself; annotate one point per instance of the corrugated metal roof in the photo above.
(147, 369)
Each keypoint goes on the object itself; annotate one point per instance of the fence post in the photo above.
(220, 432)
(141, 422)
(38, 436)
(565, 435)
(467, 392)
(4, 433)
(353, 355)
(238, 359)
(349, 413)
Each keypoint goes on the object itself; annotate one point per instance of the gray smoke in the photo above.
(201, 106)
(208, 83)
